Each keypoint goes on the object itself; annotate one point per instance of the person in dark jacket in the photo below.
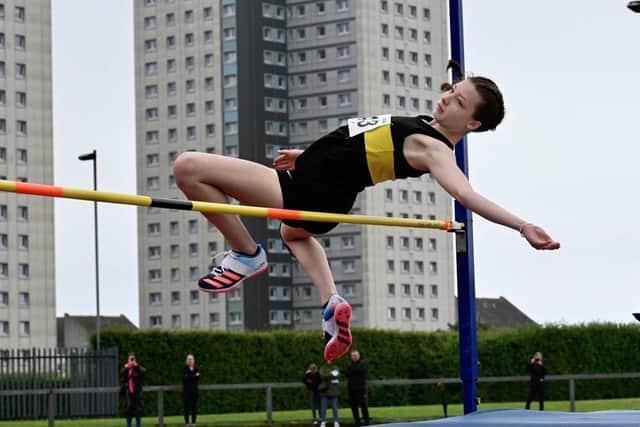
(329, 392)
(132, 380)
(357, 375)
(312, 380)
(536, 384)
(190, 378)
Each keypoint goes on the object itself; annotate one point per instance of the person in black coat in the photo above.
(190, 378)
(132, 380)
(312, 380)
(357, 387)
(536, 384)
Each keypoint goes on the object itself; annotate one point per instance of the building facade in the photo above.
(283, 73)
(27, 261)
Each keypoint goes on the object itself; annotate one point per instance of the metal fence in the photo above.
(34, 370)
(53, 395)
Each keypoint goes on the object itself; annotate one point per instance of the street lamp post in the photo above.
(93, 156)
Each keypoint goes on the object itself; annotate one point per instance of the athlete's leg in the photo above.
(211, 178)
(312, 258)
(336, 314)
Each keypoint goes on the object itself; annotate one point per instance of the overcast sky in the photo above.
(565, 156)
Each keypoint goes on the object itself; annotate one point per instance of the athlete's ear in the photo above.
(473, 125)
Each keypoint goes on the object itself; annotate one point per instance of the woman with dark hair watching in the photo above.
(132, 380)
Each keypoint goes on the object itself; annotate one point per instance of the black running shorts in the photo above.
(308, 191)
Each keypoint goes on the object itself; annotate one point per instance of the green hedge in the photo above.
(282, 356)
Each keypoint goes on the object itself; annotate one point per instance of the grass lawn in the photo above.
(302, 417)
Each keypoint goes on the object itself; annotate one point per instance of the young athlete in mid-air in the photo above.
(327, 177)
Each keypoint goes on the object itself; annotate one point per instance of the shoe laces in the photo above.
(214, 266)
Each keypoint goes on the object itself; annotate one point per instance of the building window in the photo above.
(23, 213)
(391, 266)
(153, 229)
(418, 243)
(21, 128)
(342, 5)
(155, 298)
(348, 266)
(4, 299)
(155, 321)
(342, 52)
(228, 10)
(155, 275)
(431, 198)
(433, 267)
(433, 291)
(20, 14)
(406, 313)
(176, 321)
(406, 290)
(4, 270)
(434, 314)
(404, 242)
(174, 250)
(151, 114)
(21, 156)
(235, 318)
(153, 252)
(214, 319)
(420, 291)
(194, 273)
(4, 241)
(420, 313)
(418, 267)
(24, 328)
(404, 266)
(391, 313)
(194, 297)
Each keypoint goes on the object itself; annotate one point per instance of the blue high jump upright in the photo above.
(464, 246)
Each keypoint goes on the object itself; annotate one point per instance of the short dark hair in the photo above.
(490, 111)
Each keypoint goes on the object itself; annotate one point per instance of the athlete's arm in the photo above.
(286, 159)
(439, 160)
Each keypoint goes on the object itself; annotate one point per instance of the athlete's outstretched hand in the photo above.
(286, 159)
(538, 238)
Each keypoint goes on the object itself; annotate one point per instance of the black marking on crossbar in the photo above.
(183, 205)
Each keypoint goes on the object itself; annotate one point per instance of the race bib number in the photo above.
(360, 125)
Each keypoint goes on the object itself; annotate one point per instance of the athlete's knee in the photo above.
(184, 169)
(290, 234)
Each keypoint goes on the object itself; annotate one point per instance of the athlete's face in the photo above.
(456, 107)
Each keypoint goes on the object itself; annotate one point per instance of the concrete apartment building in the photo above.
(283, 73)
(27, 268)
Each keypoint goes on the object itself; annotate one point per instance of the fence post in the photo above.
(269, 406)
(160, 408)
(51, 408)
(572, 395)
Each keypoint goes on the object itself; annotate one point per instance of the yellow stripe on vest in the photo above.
(379, 147)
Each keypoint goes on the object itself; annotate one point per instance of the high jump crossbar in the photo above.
(219, 208)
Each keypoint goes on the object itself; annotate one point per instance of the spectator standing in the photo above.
(312, 380)
(537, 372)
(329, 391)
(132, 380)
(190, 379)
(357, 375)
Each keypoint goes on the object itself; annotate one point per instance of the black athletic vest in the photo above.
(368, 158)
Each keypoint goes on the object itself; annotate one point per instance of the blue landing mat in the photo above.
(519, 417)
